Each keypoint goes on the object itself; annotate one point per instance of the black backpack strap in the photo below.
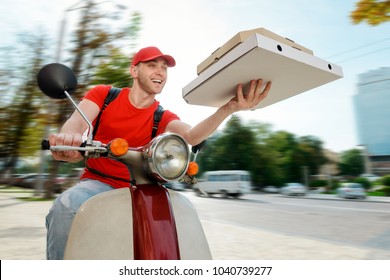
(156, 120)
(111, 95)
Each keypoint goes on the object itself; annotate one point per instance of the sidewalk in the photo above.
(22, 229)
(23, 237)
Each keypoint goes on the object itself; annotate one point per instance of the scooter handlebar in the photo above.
(45, 145)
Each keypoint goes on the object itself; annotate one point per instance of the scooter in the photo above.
(145, 221)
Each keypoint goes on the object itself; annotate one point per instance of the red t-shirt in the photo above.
(122, 120)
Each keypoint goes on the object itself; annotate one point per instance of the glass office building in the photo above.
(372, 111)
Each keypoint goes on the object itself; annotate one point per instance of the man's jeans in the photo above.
(61, 214)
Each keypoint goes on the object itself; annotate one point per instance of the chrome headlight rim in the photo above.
(150, 154)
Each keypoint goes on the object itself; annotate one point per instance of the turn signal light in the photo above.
(119, 147)
(192, 168)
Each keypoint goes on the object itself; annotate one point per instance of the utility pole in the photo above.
(305, 176)
(39, 186)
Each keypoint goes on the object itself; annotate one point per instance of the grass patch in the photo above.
(22, 194)
(13, 189)
(32, 199)
(330, 192)
(376, 193)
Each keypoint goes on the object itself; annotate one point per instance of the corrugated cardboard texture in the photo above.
(239, 38)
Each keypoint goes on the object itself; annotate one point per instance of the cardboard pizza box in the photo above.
(239, 38)
(292, 71)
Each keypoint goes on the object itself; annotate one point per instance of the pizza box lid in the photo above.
(291, 71)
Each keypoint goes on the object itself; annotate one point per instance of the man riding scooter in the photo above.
(130, 116)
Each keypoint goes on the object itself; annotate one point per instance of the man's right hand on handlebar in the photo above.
(66, 139)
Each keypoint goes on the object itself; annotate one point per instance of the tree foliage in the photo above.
(114, 70)
(273, 158)
(351, 163)
(311, 152)
(21, 122)
(386, 185)
(374, 12)
(386, 180)
(93, 40)
(363, 181)
(23, 114)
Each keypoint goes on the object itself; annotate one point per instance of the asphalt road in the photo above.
(339, 228)
(255, 227)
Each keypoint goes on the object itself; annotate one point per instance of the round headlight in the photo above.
(167, 156)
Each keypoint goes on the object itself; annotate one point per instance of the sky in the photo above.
(190, 30)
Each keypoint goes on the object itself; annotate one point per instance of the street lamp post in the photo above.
(62, 28)
(63, 22)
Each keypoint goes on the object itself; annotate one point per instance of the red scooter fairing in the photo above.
(154, 228)
(160, 224)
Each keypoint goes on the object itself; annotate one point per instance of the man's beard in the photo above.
(147, 86)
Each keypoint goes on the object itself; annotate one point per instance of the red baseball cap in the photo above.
(150, 53)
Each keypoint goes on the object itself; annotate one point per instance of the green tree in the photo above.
(363, 181)
(374, 12)
(295, 155)
(114, 70)
(206, 157)
(386, 184)
(351, 163)
(268, 167)
(233, 148)
(311, 153)
(21, 121)
(22, 112)
(285, 146)
(92, 42)
(269, 170)
(273, 158)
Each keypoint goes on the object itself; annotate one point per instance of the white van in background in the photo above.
(225, 182)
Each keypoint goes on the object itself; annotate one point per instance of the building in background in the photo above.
(372, 112)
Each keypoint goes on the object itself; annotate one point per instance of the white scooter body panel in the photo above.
(192, 240)
(103, 228)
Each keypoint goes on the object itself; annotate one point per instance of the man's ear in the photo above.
(134, 71)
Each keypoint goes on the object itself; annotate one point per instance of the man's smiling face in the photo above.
(152, 75)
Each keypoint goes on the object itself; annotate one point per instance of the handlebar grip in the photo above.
(45, 144)
(197, 148)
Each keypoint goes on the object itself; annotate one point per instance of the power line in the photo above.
(358, 48)
(365, 54)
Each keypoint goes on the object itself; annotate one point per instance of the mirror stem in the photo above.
(90, 128)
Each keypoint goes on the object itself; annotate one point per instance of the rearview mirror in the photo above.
(55, 78)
